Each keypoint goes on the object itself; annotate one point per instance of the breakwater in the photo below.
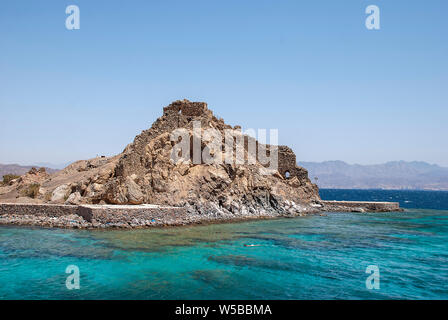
(146, 215)
(360, 206)
(94, 216)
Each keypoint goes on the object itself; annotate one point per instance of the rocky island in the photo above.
(151, 183)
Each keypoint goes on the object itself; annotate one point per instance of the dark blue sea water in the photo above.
(415, 199)
(315, 257)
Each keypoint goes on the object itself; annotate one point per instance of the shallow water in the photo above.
(316, 257)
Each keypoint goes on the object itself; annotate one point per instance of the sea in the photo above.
(340, 255)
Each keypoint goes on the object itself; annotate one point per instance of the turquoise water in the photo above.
(316, 257)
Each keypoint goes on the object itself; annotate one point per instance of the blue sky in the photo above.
(334, 89)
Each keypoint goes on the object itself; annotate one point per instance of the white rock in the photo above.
(74, 198)
(134, 194)
(60, 193)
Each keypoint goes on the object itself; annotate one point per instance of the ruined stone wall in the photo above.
(287, 165)
(186, 108)
(286, 160)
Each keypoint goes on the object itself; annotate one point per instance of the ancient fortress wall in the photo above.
(287, 163)
(189, 109)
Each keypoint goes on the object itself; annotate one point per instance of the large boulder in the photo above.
(134, 194)
(74, 199)
(61, 193)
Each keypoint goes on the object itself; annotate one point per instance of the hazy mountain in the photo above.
(414, 175)
(58, 166)
(18, 169)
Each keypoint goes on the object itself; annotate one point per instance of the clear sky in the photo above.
(334, 89)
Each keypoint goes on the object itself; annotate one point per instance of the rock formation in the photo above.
(145, 173)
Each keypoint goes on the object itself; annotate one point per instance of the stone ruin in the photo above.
(287, 163)
(186, 108)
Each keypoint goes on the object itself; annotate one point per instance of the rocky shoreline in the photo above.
(146, 216)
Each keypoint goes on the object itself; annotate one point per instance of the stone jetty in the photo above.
(139, 216)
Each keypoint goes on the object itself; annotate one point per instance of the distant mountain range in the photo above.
(57, 166)
(18, 169)
(415, 175)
